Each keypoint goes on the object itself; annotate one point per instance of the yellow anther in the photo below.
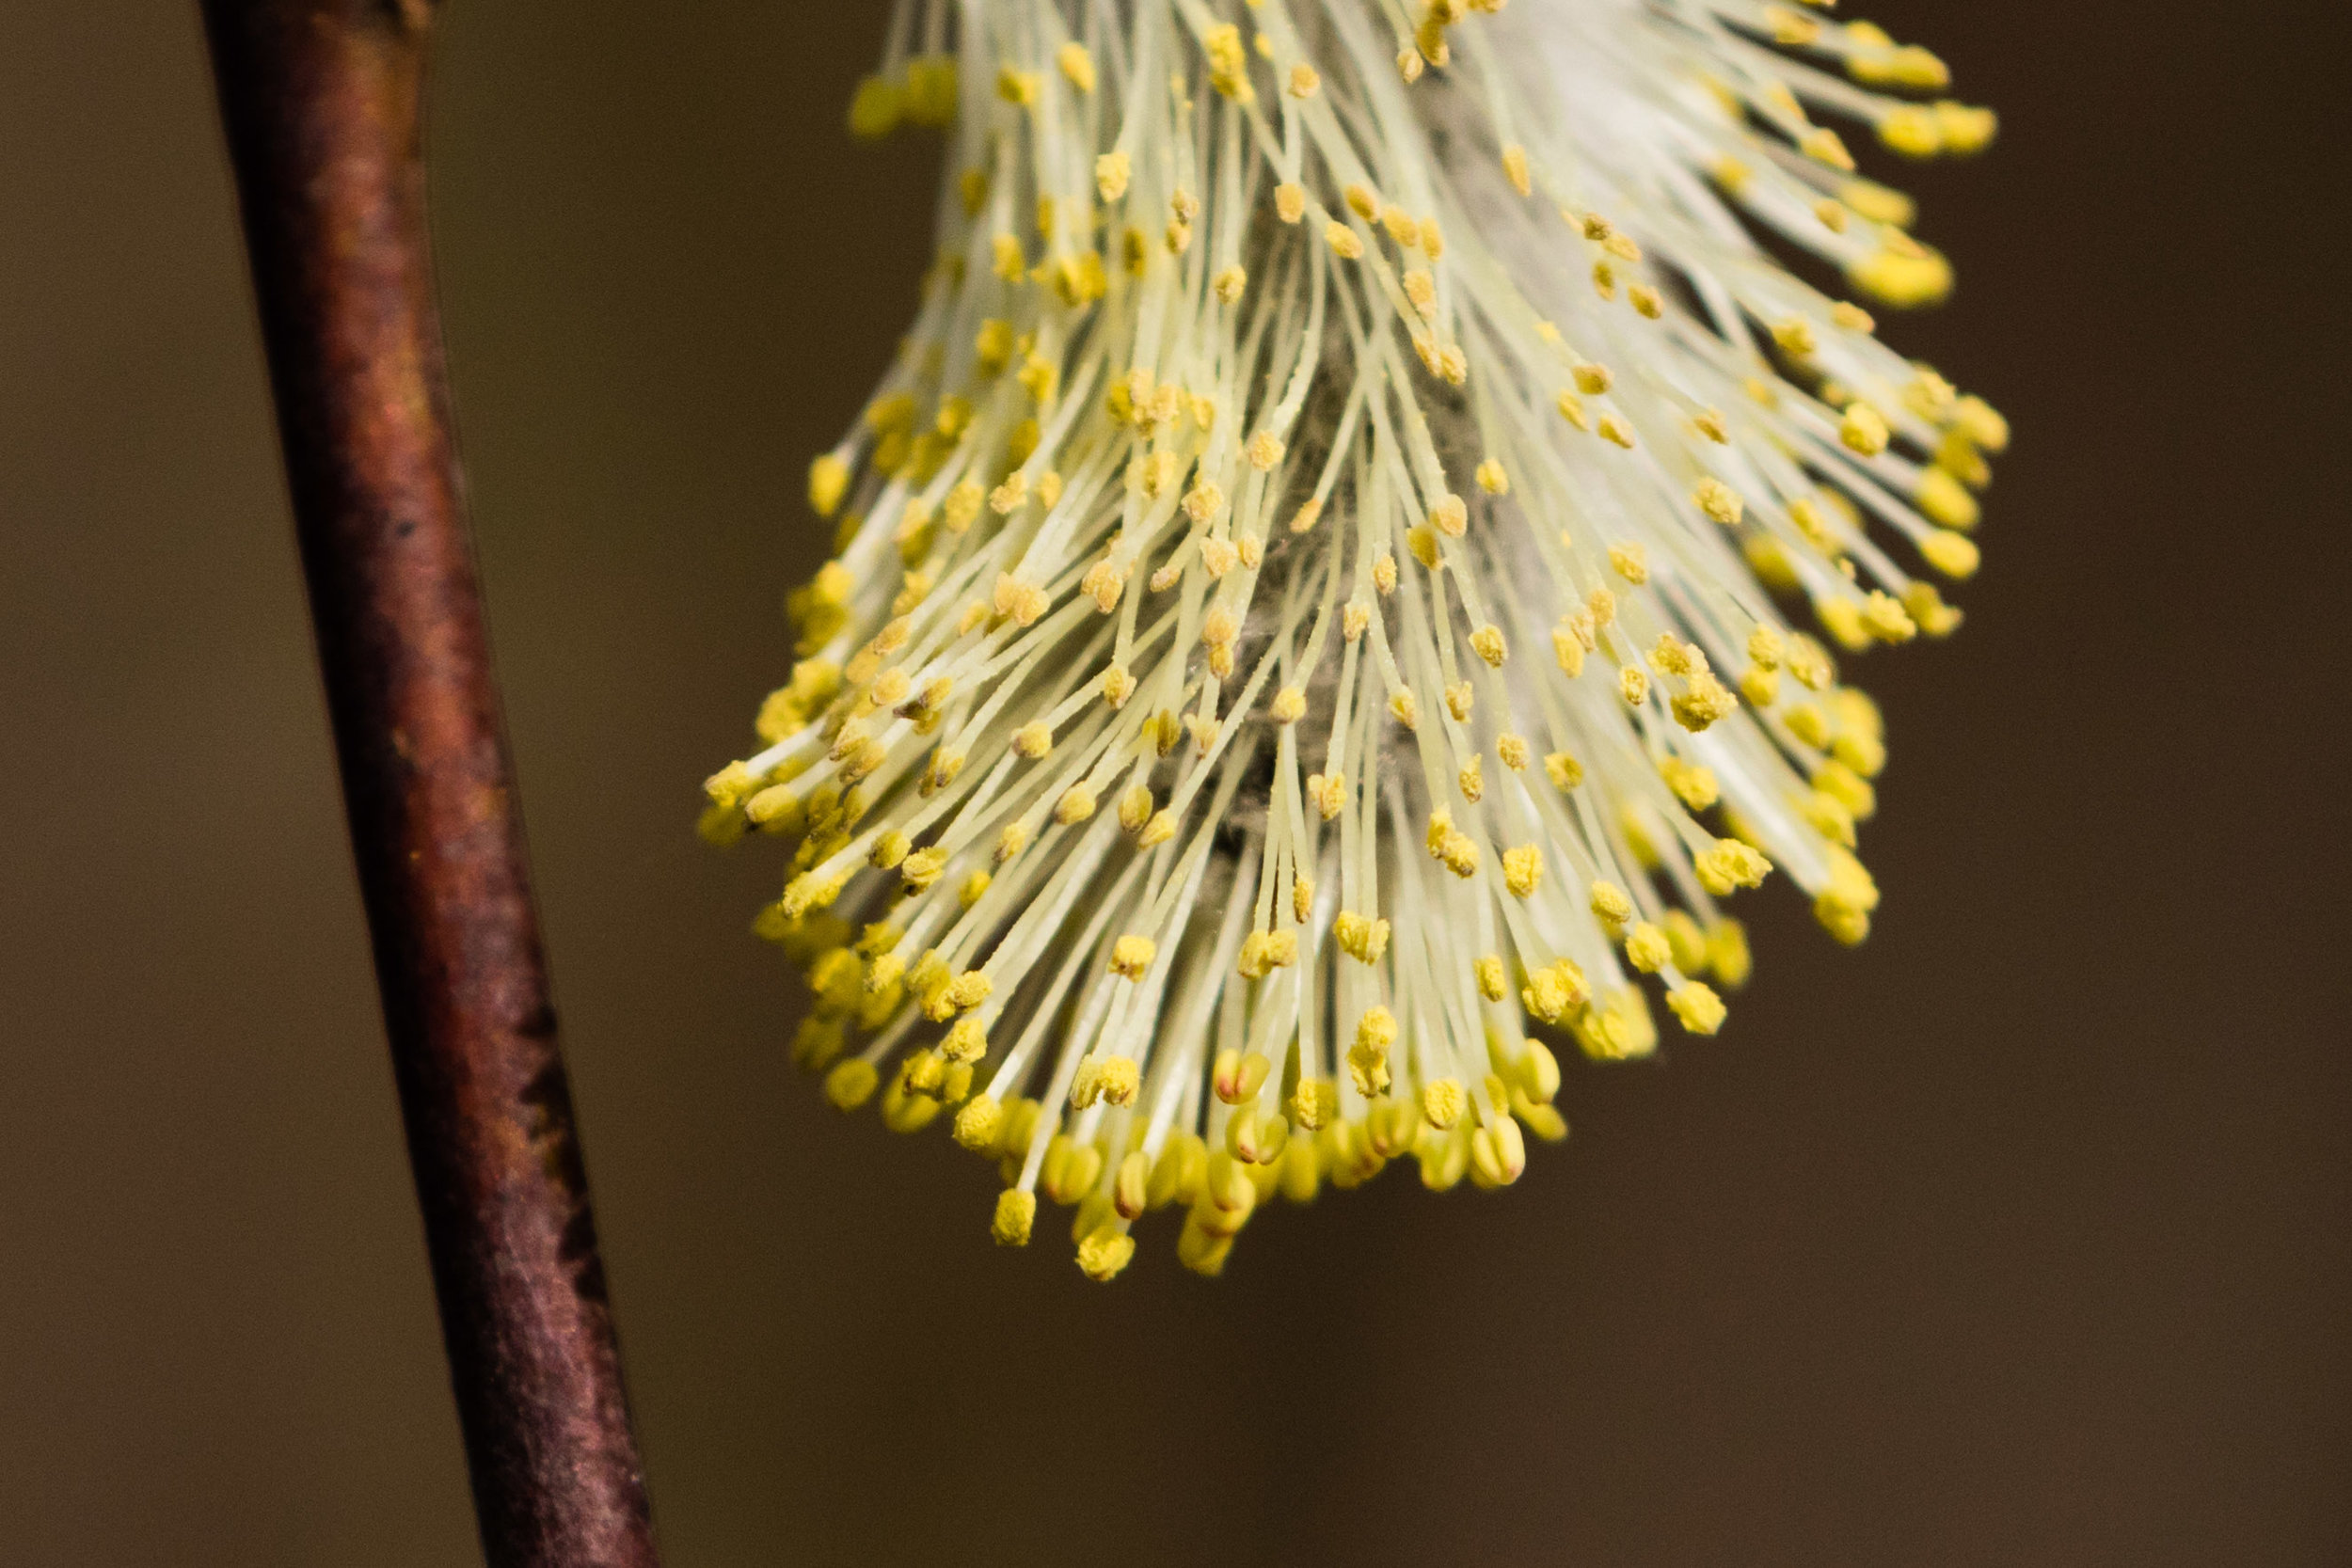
(1289, 706)
(1902, 278)
(1536, 1073)
(1402, 706)
(922, 868)
(1264, 451)
(1809, 662)
(1697, 787)
(1178, 1175)
(1955, 555)
(1878, 203)
(1112, 172)
(1863, 429)
(828, 481)
(1982, 423)
(1105, 1250)
(1830, 817)
(1077, 65)
(1391, 1126)
(967, 1042)
(1421, 288)
(1944, 499)
(1488, 643)
(851, 1083)
(1007, 259)
(1442, 1102)
(1023, 603)
(1696, 1007)
(1728, 865)
(1068, 1167)
(978, 1123)
(818, 1042)
(1019, 88)
(1017, 1213)
(1228, 1194)
(1647, 949)
(1460, 854)
(922, 1072)
(1131, 1186)
(1449, 515)
(961, 506)
(1707, 701)
(1611, 904)
(1493, 984)
(1497, 1153)
(1809, 724)
(1132, 955)
(1912, 130)
(1361, 937)
(1368, 1058)
(1965, 128)
(1328, 793)
(1011, 840)
(1728, 952)
(1344, 242)
(1263, 952)
(1236, 1078)
(1515, 169)
(1117, 1079)
(809, 891)
(1633, 685)
(1824, 146)
(877, 108)
(1522, 870)
(1256, 1137)
(1135, 808)
(1884, 618)
(1075, 804)
(1472, 777)
(1615, 432)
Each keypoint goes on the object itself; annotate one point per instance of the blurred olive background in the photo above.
(2019, 1236)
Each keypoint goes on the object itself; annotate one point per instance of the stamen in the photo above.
(1122, 527)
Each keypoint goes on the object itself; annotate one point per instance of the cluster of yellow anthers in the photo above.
(1305, 601)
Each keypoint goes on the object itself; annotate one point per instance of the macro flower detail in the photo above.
(1318, 596)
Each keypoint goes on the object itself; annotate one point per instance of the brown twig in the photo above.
(322, 102)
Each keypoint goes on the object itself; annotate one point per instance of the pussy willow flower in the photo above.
(1316, 597)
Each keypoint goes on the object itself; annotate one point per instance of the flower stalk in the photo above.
(321, 100)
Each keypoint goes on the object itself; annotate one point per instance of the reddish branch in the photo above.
(322, 99)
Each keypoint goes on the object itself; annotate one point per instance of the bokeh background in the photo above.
(2019, 1236)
